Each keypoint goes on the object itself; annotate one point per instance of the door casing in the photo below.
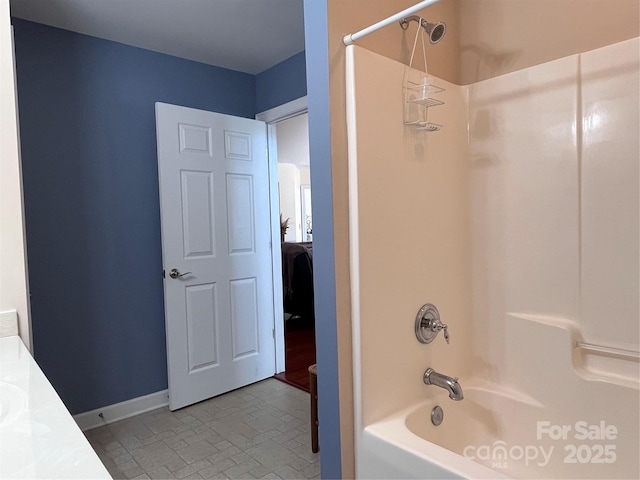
(271, 118)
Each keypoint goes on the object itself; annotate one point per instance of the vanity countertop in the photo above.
(38, 436)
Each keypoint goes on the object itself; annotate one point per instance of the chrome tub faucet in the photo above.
(451, 385)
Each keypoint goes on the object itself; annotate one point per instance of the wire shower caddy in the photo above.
(419, 91)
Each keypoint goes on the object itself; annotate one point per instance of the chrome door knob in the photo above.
(175, 273)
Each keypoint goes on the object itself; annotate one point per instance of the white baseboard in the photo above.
(119, 411)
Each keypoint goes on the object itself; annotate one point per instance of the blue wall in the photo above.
(91, 202)
(90, 176)
(317, 51)
(281, 83)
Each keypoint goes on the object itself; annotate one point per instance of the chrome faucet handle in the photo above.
(437, 325)
(446, 333)
(428, 324)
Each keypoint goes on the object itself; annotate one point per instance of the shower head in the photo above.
(435, 31)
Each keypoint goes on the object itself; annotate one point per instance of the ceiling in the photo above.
(245, 35)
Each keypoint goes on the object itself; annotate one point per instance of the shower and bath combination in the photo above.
(412, 427)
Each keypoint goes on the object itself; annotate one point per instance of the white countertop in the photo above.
(38, 436)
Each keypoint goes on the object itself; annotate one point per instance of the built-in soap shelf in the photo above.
(623, 354)
(590, 360)
(607, 363)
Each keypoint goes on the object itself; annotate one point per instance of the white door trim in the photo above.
(14, 290)
(271, 117)
(282, 112)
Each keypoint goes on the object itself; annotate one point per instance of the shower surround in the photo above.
(519, 220)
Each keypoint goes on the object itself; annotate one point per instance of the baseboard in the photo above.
(120, 411)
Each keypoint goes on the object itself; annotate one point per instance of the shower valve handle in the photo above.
(438, 325)
(428, 324)
(446, 333)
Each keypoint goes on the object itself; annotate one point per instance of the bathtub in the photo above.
(495, 433)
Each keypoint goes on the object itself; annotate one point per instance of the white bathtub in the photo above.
(494, 434)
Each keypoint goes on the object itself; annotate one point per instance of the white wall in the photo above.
(293, 140)
(610, 199)
(289, 186)
(501, 36)
(554, 168)
(13, 272)
(554, 179)
(525, 202)
(290, 179)
(293, 171)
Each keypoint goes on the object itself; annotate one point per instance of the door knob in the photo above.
(175, 273)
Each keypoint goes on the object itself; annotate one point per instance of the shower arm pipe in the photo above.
(352, 37)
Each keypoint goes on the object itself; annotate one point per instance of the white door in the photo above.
(215, 215)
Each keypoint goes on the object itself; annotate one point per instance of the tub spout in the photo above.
(451, 385)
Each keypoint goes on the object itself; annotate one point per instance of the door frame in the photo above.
(15, 300)
(271, 117)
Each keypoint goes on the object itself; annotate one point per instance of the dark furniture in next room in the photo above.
(299, 319)
(297, 279)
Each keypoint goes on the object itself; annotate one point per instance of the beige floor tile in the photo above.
(286, 472)
(260, 431)
(189, 470)
(217, 468)
(196, 451)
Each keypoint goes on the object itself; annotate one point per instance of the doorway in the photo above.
(288, 137)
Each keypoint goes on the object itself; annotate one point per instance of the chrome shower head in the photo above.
(436, 31)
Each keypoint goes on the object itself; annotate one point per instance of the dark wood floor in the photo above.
(300, 353)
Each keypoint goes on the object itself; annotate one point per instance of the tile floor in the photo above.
(259, 431)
